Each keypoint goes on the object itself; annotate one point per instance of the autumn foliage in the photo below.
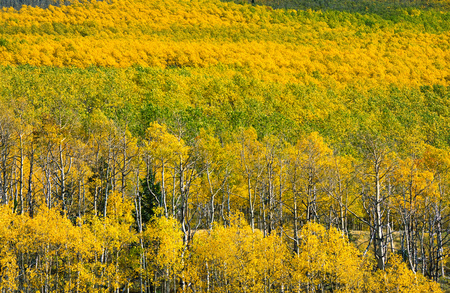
(206, 146)
(282, 45)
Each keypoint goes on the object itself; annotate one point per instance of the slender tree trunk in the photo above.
(163, 188)
(30, 185)
(379, 238)
(250, 203)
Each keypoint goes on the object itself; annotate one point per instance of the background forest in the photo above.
(206, 146)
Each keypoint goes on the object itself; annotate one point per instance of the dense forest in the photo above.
(207, 146)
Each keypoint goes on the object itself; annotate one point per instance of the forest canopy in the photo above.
(210, 146)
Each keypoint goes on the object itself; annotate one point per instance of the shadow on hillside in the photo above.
(17, 4)
(379, 7)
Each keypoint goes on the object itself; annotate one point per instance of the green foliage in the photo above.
(135, 97)
(151, 193)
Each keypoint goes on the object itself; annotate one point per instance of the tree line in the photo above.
(98, 175)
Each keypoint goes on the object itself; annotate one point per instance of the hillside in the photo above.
(210, 146)
(329, 48)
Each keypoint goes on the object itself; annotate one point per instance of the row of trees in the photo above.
(278, 187)
(49, 253)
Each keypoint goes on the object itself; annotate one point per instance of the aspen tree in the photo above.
(216, 168)
(161, 148)
(252, 168)
(379, 163)
(7, 157)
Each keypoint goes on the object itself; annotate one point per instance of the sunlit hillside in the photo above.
(333, 49)
(208, 146)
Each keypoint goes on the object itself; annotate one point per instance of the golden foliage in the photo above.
(281, 45)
